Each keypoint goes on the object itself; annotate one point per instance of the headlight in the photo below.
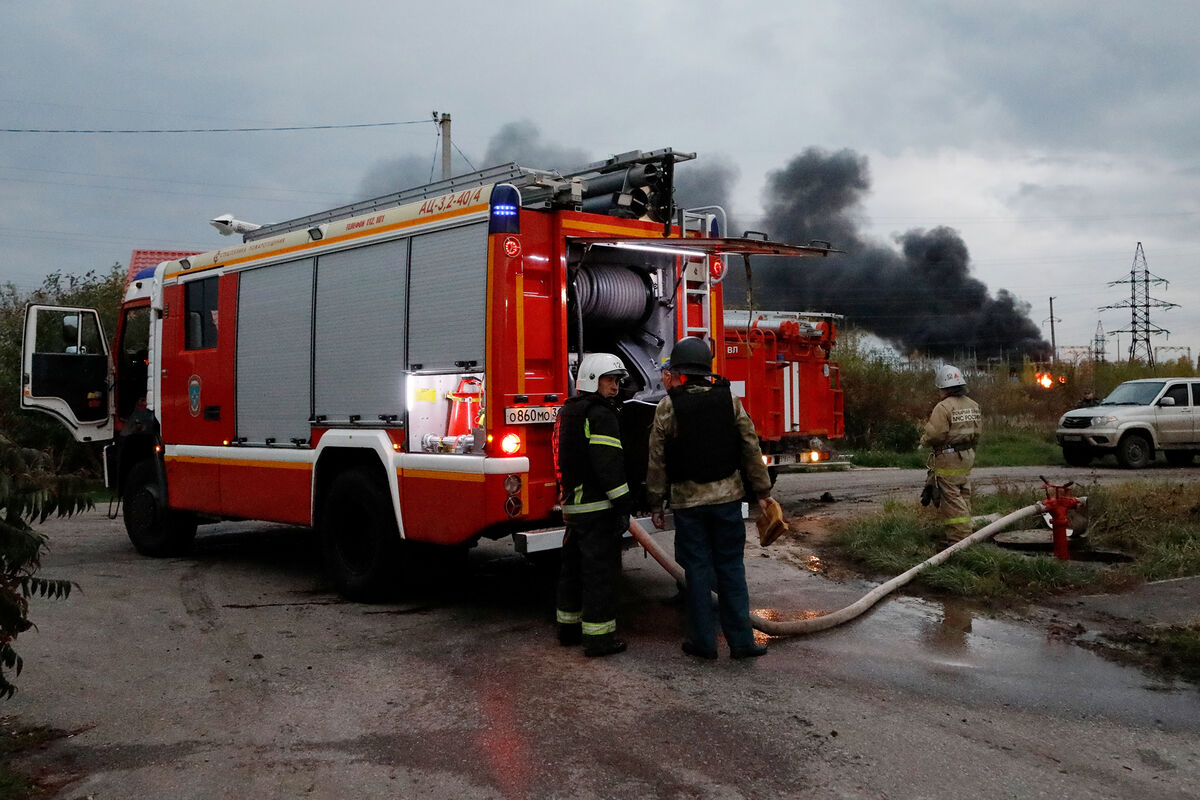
(1099, 422)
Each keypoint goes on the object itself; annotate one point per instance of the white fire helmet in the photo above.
(594, 367)
(948, 376)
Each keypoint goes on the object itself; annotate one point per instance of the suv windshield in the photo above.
(1134, 394)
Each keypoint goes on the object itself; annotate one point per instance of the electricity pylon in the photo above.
(1139, 304)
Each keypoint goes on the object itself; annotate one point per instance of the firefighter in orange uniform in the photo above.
(596, 502)
(951, 433)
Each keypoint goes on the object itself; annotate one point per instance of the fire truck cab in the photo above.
(389, 370)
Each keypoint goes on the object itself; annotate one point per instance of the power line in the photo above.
(217, 130)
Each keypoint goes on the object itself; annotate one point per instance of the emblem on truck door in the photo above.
(194, 395)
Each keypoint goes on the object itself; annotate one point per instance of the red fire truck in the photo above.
(778, 363)
(388, 370)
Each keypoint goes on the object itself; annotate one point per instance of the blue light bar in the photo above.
(505, 204)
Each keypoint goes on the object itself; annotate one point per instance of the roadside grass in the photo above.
(1000, 448)
(912, 459)
(1178, 648)
(1016, 448)
(1157, 525)
(903, 536)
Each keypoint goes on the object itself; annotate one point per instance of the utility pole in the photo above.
(1053, 342)
(443, 123)
(1139, 305)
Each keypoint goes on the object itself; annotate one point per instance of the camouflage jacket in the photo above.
(688, 494)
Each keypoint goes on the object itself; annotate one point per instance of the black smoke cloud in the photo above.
(515, 141)
(522, 142)
(918, 294)
(397, 174)
(921, 296)
(707, 182)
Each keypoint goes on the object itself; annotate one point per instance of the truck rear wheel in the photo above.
(1134, 451)
(154, 530)
(359, 537)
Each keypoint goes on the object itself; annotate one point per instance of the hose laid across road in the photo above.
(801, 627)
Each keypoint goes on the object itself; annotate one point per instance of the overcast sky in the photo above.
(1053, 137)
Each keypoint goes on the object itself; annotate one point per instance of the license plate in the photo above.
(785, 458)
(1072, 437)
(526, 415)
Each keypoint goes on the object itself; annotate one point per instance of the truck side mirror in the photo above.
(1167, 401)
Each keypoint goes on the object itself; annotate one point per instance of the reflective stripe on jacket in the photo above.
(590, 457)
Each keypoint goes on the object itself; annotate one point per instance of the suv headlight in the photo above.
(1100, 422)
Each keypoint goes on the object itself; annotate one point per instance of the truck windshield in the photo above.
(1134, 394)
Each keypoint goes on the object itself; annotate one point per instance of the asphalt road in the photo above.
(236, 672)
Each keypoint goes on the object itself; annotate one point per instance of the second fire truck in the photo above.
(779, 363)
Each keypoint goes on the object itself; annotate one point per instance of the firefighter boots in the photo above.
(606, 644)
(693, 649)
(570, 634)
(752, 650)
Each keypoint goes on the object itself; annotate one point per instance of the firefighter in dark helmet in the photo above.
(701, 443)
(596, 502)
(951, 434)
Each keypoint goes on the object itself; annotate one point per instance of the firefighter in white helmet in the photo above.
(951, 434)
(596, 502)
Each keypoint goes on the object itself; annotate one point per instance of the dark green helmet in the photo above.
(691, 356)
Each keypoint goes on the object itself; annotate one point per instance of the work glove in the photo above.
(932, 493)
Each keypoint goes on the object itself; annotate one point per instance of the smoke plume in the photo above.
(921, 296)
(522, 142)
(707, 182)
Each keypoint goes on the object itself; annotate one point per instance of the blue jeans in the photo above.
(709, 545)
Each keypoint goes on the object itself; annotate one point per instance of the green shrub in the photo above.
(887, 399)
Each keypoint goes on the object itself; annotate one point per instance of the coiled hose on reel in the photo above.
(612, 296)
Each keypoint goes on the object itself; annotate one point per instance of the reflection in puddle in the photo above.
(950, 633)
(775, 615)
(814, 564)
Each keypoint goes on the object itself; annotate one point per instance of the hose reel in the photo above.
(612, 296)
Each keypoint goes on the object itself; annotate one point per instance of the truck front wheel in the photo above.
(154, 529)
(359, 537)
(1134, 451)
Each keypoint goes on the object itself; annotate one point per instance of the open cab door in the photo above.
(65, 369)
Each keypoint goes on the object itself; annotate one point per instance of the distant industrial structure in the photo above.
(1139, 304)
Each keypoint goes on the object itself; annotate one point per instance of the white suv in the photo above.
(1137, 419)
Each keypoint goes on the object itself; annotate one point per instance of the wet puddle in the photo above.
(951, 649)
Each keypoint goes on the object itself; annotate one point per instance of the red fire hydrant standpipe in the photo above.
(1057, 503)
(800, 627)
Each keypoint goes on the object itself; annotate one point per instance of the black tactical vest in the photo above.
(706, 446)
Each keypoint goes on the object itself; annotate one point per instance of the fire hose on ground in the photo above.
(801, 627)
